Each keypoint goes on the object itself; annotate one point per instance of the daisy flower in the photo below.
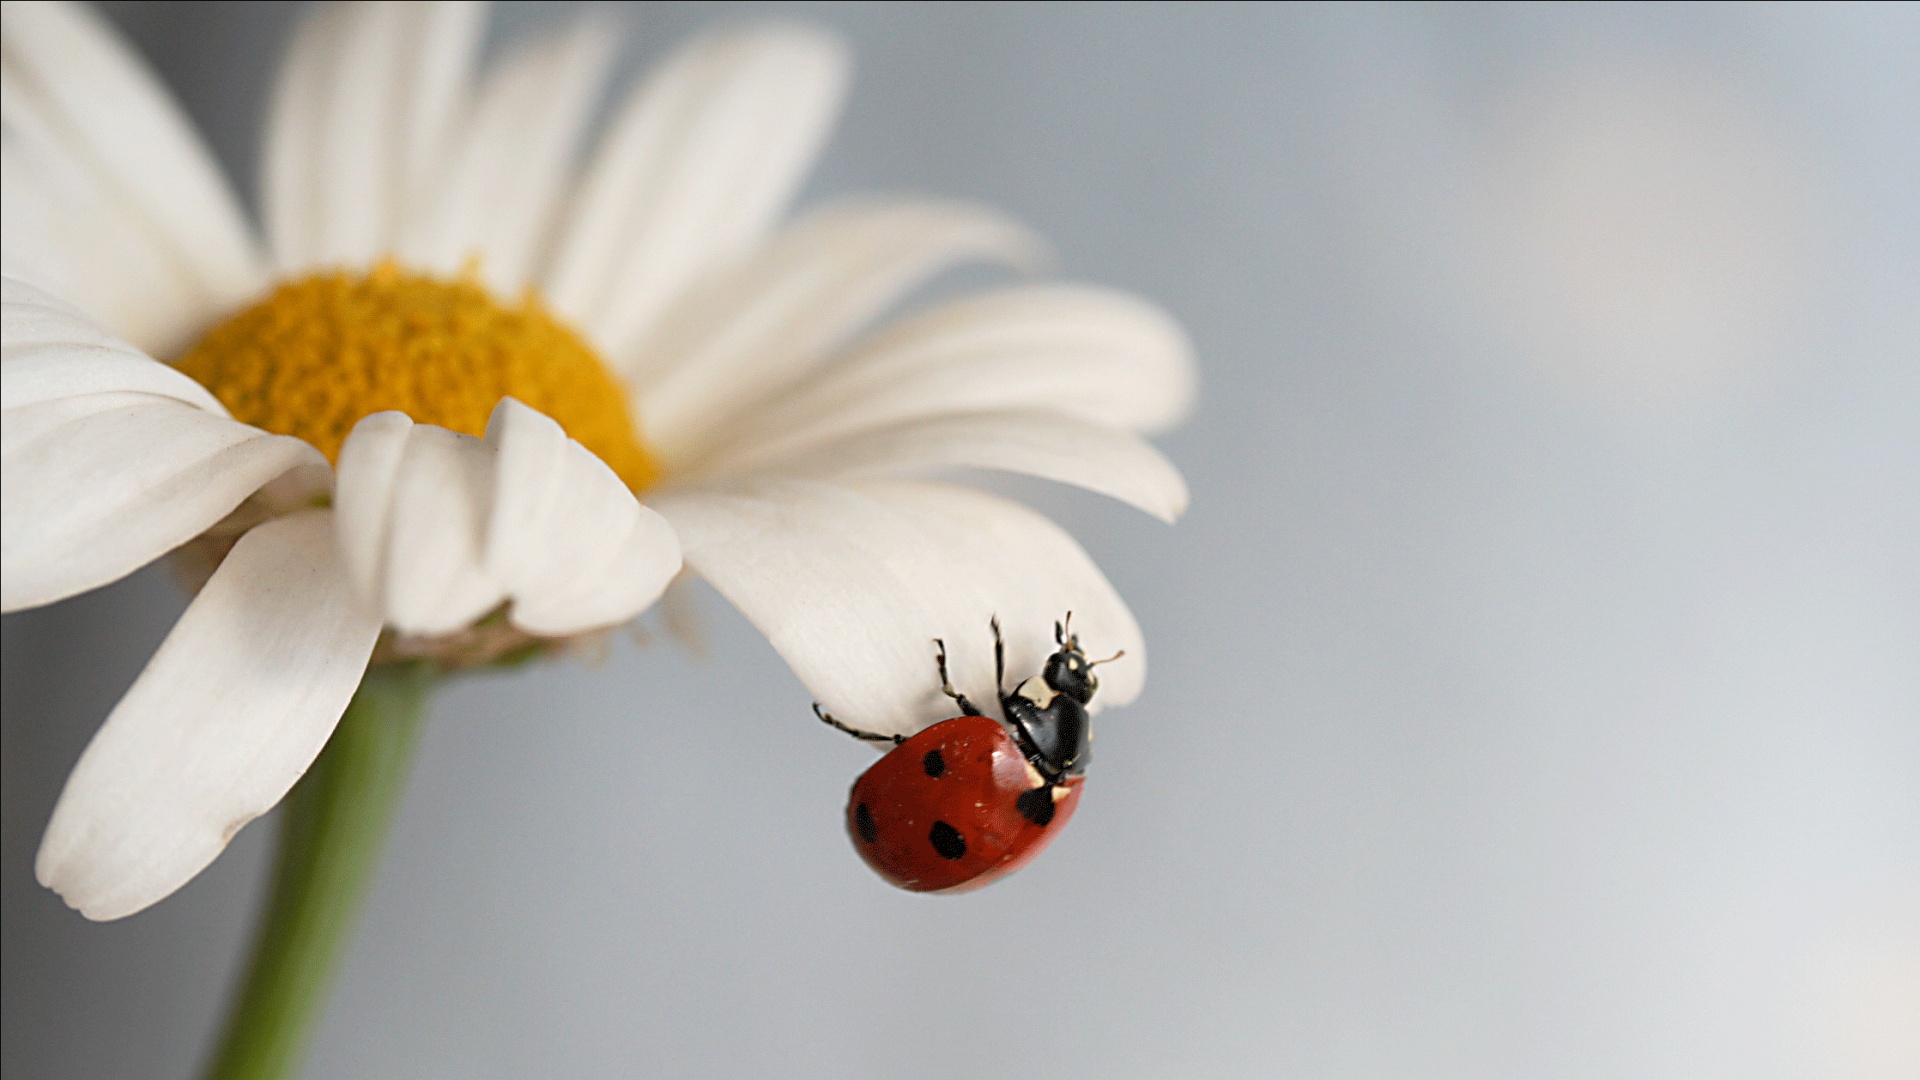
(411, 417)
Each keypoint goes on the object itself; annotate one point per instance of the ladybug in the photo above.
(971, 799)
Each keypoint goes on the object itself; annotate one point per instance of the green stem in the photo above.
(332, 830)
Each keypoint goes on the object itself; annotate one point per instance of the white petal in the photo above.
(352, 189)
(290, 199)
(108, 459)
(699, 164)
(110, 195)
(417, 500)
(63, 226)
(1099, 355)
(439, 528)
(52, 351)
(226, 717)
(436, 579)
(508, 166)
(751, 332)
(568, 542)
(359, 122)
(363, 499)
(445, 38)
(852, 582)
(1037, 442)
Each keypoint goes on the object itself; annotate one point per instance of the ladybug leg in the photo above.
(868, 736)
(999, 658)
(946, 684)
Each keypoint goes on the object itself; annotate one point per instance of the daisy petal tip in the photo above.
(513, 420)
(226, 717)
(1174, 503)
(380, 423)
(103, 892)
(1006, 238)
(53, 867)
(1170, 495)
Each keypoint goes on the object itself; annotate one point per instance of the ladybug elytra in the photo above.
(972, 799)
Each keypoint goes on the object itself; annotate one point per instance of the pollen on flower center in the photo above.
(321, 352)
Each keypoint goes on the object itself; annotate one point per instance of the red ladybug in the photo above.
(971, 799)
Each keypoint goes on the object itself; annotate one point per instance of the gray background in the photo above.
(1535, 677)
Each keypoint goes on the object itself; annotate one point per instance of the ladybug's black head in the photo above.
(1069, 671)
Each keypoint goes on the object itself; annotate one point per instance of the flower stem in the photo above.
(332, 830)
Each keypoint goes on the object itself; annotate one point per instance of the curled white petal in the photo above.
(751, 332)
(697, 166)
(437, 580)
(359, 124)
(108, 459)
(228, 714)
(567, 540)
(109, 196)
(508, 162)
(413, 501)
(439, 528)
(852, 582)
(1036, 442)
(363, 500)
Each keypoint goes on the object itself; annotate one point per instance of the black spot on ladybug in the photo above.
(947, 840)
(1036, 805)
(863, 822)
(934, 763)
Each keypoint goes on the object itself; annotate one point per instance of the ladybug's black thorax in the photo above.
(1053, 736)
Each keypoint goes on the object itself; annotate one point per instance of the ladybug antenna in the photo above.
(1108, 660)
(1061, 635)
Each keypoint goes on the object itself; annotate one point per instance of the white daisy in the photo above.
(436, 304)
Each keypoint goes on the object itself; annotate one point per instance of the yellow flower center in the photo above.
(318, 354)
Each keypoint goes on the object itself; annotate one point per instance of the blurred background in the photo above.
(1536, 678)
